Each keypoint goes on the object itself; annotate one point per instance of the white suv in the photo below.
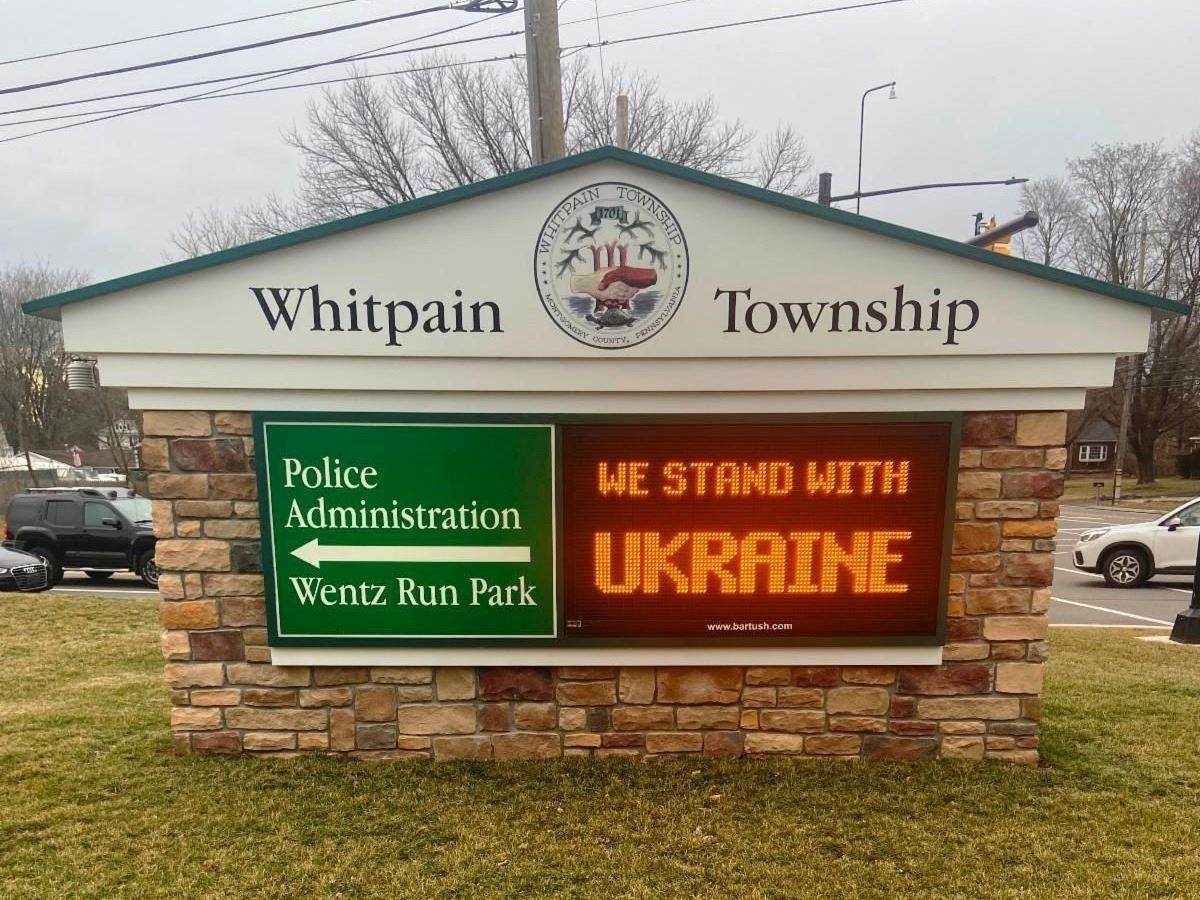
(1127, 555)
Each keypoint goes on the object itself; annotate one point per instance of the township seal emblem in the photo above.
(611, 265)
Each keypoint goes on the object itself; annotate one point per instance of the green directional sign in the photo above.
(378, 530)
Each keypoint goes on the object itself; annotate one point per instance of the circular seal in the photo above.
(611, 265)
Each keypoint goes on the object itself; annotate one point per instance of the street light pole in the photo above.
(825, 186)
(862, 112)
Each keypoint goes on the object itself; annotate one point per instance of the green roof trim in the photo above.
(48, 306)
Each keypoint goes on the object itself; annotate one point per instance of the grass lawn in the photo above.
(93, 805)
(1079, 488)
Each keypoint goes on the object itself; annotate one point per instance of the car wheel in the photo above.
(1126, 568)
(99, 576)
(54, 572)
(147, 569)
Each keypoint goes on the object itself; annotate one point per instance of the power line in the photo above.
(270, 74)
(367, 55)
(429, 68)
(281, 87)
(588, 20)
(701, 28)
(161, 34)
(127, 112)
(207, 54)
(359, 57)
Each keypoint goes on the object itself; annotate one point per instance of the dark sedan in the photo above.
(21, 571)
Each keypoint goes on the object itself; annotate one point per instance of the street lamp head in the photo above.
(892, 92)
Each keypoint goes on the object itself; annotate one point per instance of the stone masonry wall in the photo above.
(982, 702)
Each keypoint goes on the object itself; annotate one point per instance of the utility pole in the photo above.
(1123, 433)
(622, 122)
(1131, 384)
(545, 81)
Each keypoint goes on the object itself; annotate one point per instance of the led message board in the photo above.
(754, 533)
(583, 532)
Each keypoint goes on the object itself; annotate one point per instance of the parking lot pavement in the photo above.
(1079, 598)
(1084, 599)
(122, 584)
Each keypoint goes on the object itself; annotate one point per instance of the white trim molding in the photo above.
(606, 656)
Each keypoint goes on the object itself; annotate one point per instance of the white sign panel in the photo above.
(607, 260)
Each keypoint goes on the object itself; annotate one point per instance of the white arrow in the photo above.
(314, 553)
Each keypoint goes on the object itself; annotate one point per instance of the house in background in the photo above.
(100, 465)
(1094, 449)
(125, 432)
(44, 465)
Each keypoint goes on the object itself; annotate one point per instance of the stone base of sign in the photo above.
(983, 702)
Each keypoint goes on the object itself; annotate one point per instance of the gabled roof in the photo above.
(48, 307)
(17, 461)
(1097, 431)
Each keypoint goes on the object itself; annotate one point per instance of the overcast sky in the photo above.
(985, 90)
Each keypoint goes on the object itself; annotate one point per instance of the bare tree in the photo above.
(1119, 187)
(1052, 241)
(209, 230)
(1183, 271)
(1166, 389)
(1135, 202)
(784, 162)
(688, 132)
(274, 215)
(355, 154)
(36, 409)
(370, 144)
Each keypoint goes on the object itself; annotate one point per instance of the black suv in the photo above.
(99, 530)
